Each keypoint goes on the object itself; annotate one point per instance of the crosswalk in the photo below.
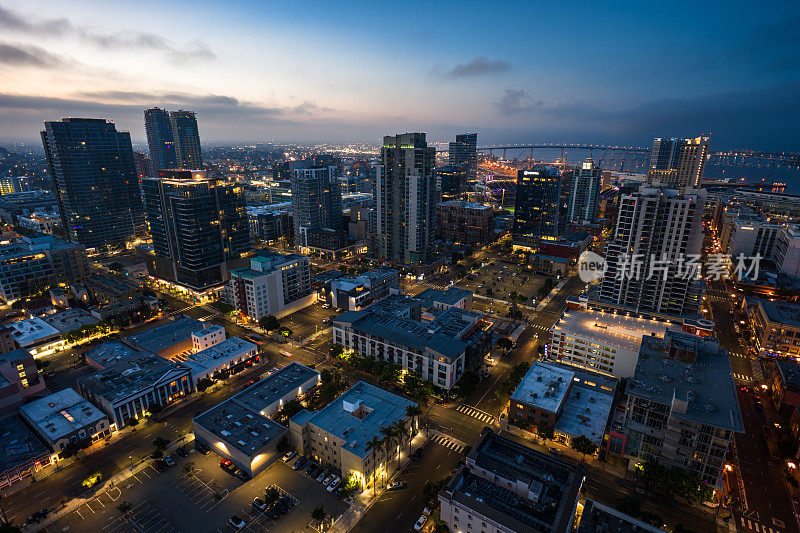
(755, 526)
(742, 377)
(475, 413)
(447, 441)
(540, 327)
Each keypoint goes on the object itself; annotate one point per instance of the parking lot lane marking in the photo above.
(79, 514)
(90, 507)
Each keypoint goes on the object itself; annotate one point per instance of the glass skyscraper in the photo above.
(94, 179)
(537, 207)
(160, 139)
(317, 208)
(464, 155)
(187, 139)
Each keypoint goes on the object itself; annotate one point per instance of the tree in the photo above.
(160, 443)
(545, 431)
(337, 350)
(374, 445)
(629, 505)
(389, 438)
(155, 408)
(319, 515)
(131, 421)
(271, 495)
(583, 445)
(224, 308)
(504, 343)
(432, 488)
(188, 467)
(203, 384)
(283, 446)
(401, 426)
(269, 323)
(92, 479)
(124, 508)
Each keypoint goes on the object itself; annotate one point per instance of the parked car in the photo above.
(236, 522)
(420, 522)
(281, 507)
(182, 452)
(556, 452)
(287, 500)
(322, 475)
(38, 515)
(160, 465)
(300, 463)
(274, 512)
(426, 511)
(226, 464)
(327, 479)
(312, 470)
(396, 485)
(288, 456)
(169, 461)
(199, 447)
(259, 504)
(241, 474)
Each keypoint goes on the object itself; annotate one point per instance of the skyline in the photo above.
(310, 73)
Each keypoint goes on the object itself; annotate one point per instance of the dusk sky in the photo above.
(515, 72)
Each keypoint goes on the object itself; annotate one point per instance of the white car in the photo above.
(289, 455)
(426, 511)
(333, 484)
(420, 522)
(237, 523)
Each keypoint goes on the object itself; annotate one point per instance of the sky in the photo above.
(515, 72)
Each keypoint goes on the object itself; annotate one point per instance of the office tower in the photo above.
(317, 209)
(451, 182)
(586, 184)
(160, 139)
(187, 139)
(463, 154)
(197, 224)
(647, 258)
(94, 178)
(537, 207)
(404, 196)
(678, 162)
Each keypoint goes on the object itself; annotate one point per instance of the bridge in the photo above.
(563, 147)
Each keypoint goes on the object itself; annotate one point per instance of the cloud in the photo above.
(137, 40)
(479, 66)
(515, 102)
(27, 55)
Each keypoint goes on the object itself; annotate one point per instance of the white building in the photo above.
(37, 336)
(272, 283)
(602, 342)
(750, 237)
(207, 337)
(41, 222)
(787, 251)
(220, 358)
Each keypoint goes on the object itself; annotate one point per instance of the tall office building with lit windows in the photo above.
(94, 178)
(199, 224)
(160, 139)
(585, 187)
(317, 209)
(404, 195)
(537, 207)
(188, 152)
(678, 162)
(463, 154)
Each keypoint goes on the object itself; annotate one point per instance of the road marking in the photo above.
(475, 413)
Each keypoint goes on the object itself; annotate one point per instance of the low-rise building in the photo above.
(19, 368)
(22, 453)
(43, 222)
(239, 429)
(339, 434)
(682, 409)
(785, 383)
(133, 380)
(208, 337)
(507, 487)
(109, 289)
(464, 222)
(351, 293)
(227, 357)
(598, 517)
(776, 325)
(168, 340)
(602, 342)
(272, 284)
(37, 336)
(70, 319)
(65, 418)
(787, 251)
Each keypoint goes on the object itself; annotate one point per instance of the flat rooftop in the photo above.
(210, 328)
(18, 444)
(224, 351)
(587, 406)
(705, 384)
(544, 386)
(131, 373)
(610, 329)
(111, 352)
(32, 330)
(598, 517)
(264, 393)
(70, 319)
(166, 335)
(552, 486)
(451, 296)
(378, 407)
(782, 312)
(15, 355)
(465, 205)
(62, 413)
(789, 371)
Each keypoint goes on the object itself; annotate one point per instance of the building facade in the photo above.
(679, 163)
(464, 222)
(317, 209)
(94, 178)
(270, 284)
(586, 185)
(188, 152)
(160, 139)
(404, 196)
(537, 209)
(463, 154)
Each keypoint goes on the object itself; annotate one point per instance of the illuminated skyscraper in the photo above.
(678, 162)
(160, 139)
(317, 208)
(586, 184)
(464, 155)
(187, 139)
(94, 178)
(537, 209)
(404, 196)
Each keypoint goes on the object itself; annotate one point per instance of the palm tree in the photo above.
(401, 426)
(374, 445)
(389, 437)
(413, 411)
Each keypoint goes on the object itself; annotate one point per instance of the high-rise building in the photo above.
(272, 282)
(586, 184)
(160, 139)
(188, 152)
(679, 162)
(537, 207)
(404, 196)
(648, 258)
(14, 184)
(143, 164)
(317, 209)
(94, 178)
(464, 155)
(451, 182)
(197, 224)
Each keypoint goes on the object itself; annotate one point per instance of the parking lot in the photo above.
(499, 279)
(201, 501)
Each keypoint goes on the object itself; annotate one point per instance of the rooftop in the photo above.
(451, 296)
(209, 358)
(133, 371)
(543, 493)
(465, 205)
(544, 386)
(111, 352)
(166, 335)
(597, 517)
(789, 371)
(15, 355)
(18, 444)
(70, 319)
(588, 406)
(782, 312)
(705, 385)
(62, 413)
(610, 329)
(26, 332)
(359, 413)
